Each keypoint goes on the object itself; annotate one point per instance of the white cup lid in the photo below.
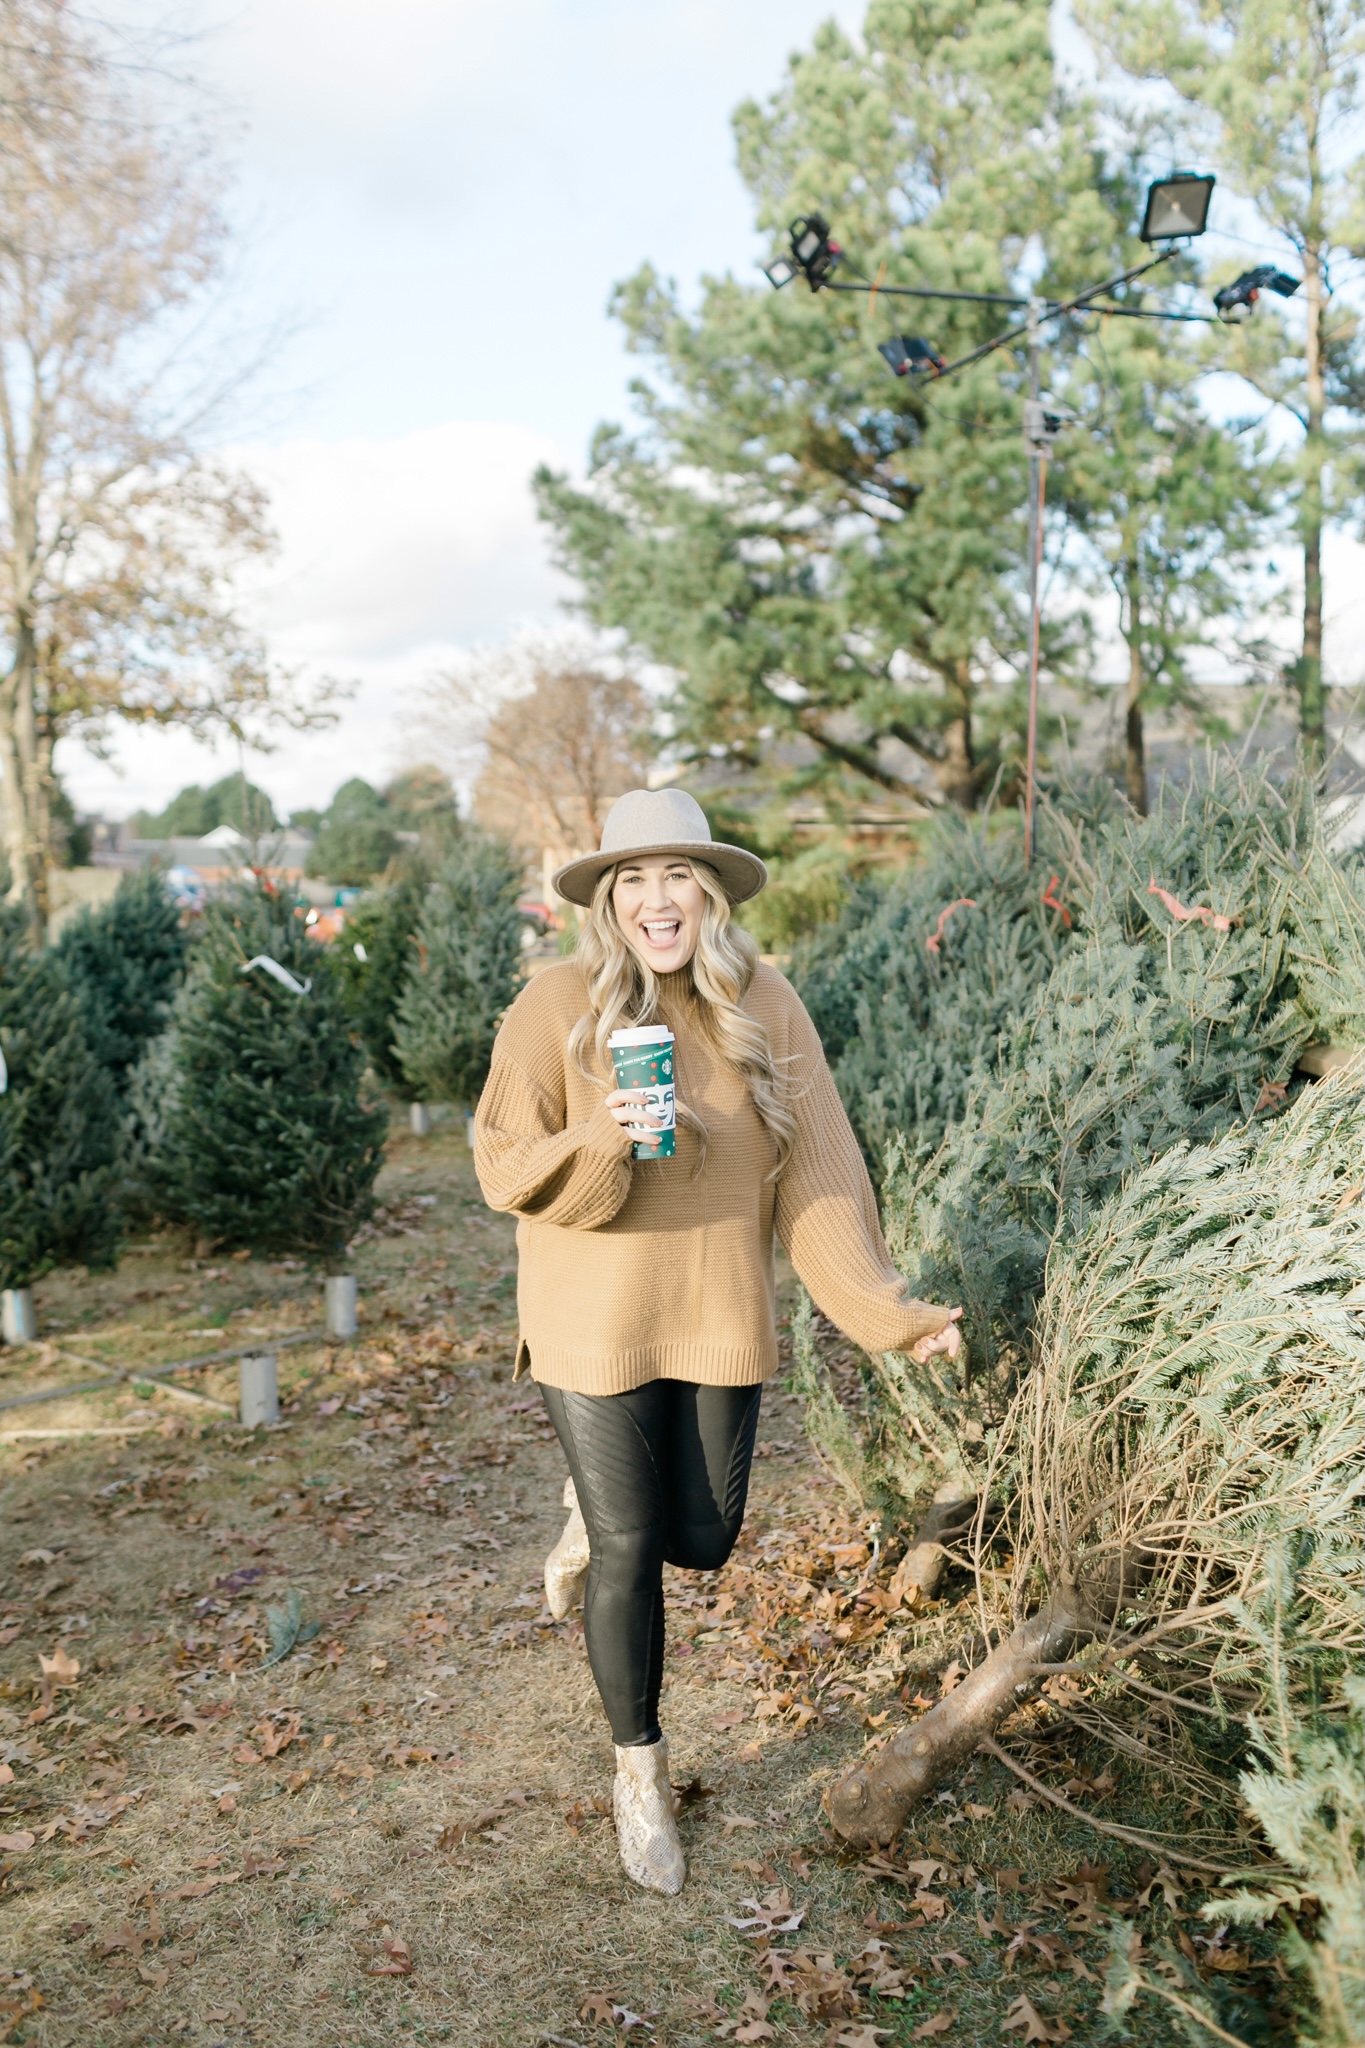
(643, 1034)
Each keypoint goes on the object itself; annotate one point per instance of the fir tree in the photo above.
(1153, 1029)
(465, 975)
(124, 962)
(382, 929)
(57, 1122)
(268, 1141)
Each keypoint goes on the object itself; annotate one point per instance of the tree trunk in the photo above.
(956, 772)
(1135, 745)
(869, 1805)
(23, 793)
(951, 1512)
(1312, 704)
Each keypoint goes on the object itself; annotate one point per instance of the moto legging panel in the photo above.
(661, 1473)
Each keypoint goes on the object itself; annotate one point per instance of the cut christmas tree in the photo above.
(269, 1144)
(374, 956)
(1169, 1530)
(1210, 946)
(124, 962)
(57, 1128)
(467, 970)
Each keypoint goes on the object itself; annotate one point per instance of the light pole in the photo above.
(1176, 211)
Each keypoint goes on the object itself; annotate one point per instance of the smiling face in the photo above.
(658, 905)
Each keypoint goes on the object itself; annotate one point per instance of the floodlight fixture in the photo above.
(780, 271)
(813, 252)
(1236, 300)
(911, 356)
(1177, 206)
(1042, 424)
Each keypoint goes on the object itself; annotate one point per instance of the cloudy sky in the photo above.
(436, 198)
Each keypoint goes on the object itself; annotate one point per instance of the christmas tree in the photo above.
(57, 1122)
(1170, 1511)
(466, 972)
(268, 1143)
(374, 956)
(124, 962)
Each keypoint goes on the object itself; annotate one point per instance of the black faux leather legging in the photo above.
(661, 1473)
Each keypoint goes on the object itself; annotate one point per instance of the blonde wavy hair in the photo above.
(623, 992)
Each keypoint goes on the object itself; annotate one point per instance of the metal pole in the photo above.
(1036, 473)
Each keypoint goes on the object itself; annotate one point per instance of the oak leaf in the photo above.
(939, 2024)
(1024, 2017)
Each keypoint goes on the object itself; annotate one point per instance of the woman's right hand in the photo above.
(632, 1110)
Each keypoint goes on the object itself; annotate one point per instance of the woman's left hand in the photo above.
(947, 1340)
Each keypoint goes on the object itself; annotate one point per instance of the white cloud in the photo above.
(385, 544)
(394, 556)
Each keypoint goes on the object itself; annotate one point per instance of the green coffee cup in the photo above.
(643, 1058)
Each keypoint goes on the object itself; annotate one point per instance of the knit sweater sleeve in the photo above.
(827, 1213)
(529, 1159)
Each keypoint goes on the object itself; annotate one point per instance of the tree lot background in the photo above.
(803, 587)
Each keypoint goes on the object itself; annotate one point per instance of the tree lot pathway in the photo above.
(399, 1830)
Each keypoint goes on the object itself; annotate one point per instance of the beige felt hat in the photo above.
(648, 822)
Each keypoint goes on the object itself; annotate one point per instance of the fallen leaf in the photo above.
(597, 2007)
(950, 1955)
(59, 1668)
(939, 2024)
(774, 1915)
(133, 1938)
(395, 1960)
(1024, 2017)
(38, 1557)
(691, 1794)
(951, 1678)
(975, 1812)
(234, 2015)
(863, 2035)
(736, 1820)
(1167, 1884)
(750, 2023)
(931, 1905)
(202, 1886)
(17, 1844)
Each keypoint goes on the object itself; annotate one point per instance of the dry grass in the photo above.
(401, 1867)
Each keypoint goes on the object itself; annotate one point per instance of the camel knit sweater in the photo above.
(634, 1270)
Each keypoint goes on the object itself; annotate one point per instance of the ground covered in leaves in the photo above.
(291, 1751)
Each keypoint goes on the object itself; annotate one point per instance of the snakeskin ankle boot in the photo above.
(566, 1567)
(646, 1824)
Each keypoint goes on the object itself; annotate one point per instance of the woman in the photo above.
(646, 1288)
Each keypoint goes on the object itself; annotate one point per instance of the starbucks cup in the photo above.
(643, 1058)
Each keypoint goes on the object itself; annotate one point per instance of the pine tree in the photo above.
(465, 975)
(821, 554)
(269, 1143)
(382, 928)
(57, 1122)
(124, 962)
(1272, 88)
